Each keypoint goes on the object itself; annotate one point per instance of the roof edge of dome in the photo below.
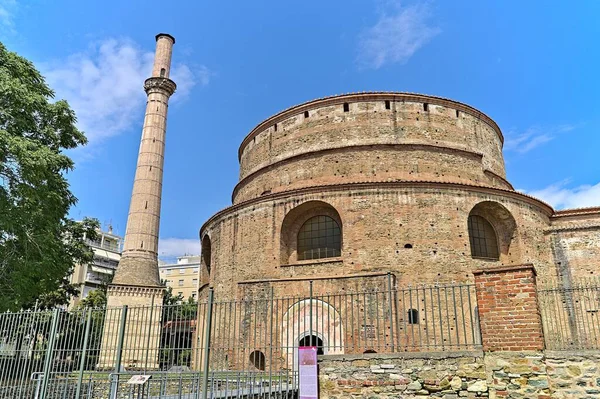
(363, 96)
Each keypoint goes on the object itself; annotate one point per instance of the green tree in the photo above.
(39, 244)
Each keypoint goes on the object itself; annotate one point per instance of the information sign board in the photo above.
(139, 379)
(307, 368)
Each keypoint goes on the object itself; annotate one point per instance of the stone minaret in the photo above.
(139, 263)
(136, 282)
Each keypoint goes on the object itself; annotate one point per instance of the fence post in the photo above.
(271, 346)
(389, 278)
(208, 329)
(121, 338)
(310, 313)
(114, 382)
(150, 335)
(83, 353)
(49, 351)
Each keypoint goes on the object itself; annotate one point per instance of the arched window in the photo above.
(319, 237)
(484, 243)
(257, 358)
(206, 252)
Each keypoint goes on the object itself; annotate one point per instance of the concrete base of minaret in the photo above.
(142, 331)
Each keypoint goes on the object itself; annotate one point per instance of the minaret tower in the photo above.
(139, 261)
(136, 282)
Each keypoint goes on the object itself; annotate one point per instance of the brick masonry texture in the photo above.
(410, 174)
(508, 309)
(453, 375)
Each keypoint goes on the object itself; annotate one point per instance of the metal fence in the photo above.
(251, 350)
(570, 315)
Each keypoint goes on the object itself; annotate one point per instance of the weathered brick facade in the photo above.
(400, 173)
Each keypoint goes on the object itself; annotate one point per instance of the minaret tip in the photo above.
(165, 35)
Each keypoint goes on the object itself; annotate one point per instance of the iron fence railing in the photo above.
(571, 314)
(246, 346)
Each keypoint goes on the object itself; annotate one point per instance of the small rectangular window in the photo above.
(346, 107)
(180, 283)
(168, 271)
(306, 115)
(387, 104)
(275, 127)
(457, 113)
(413, 316)
(425, 107)
(196, 270)
(182, 271)
(195, 282)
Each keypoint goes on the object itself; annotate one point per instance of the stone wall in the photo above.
(453, 375)
(574, 374)
(446, 375)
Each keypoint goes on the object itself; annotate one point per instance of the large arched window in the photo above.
(484, 243)
(319, 237)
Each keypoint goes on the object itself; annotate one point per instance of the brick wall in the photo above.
(508, 309)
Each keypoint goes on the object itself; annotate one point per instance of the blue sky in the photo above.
(531, 66)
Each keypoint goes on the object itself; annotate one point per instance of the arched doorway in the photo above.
(312, 340)
(311, 323)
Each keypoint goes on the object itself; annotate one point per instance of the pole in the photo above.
(83, 353)
(389, 278)
(310, 314)
(114, 383)
(121, 339)
(209, 307)
(272, 342)
(49, 350)
(149, 333)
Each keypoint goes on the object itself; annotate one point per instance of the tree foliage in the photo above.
(39, 244)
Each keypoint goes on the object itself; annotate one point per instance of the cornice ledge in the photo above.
(576, 212)
(160, 84)
(507, 268)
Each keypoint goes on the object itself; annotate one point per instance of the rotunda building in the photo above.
(348, 190)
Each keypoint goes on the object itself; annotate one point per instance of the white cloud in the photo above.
(7, 12)
(533, 137)
(173, 247)
(104, 85)
(560, 196)
(397, 35)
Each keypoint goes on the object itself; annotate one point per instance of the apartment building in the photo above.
(182, 276)
(107, 253)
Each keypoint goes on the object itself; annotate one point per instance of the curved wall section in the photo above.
(374, 119)
(367, 163)
(416, 231)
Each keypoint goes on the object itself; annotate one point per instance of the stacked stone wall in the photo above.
(574, 374)
(454, 375)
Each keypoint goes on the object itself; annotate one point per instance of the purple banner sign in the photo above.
(307, 368)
